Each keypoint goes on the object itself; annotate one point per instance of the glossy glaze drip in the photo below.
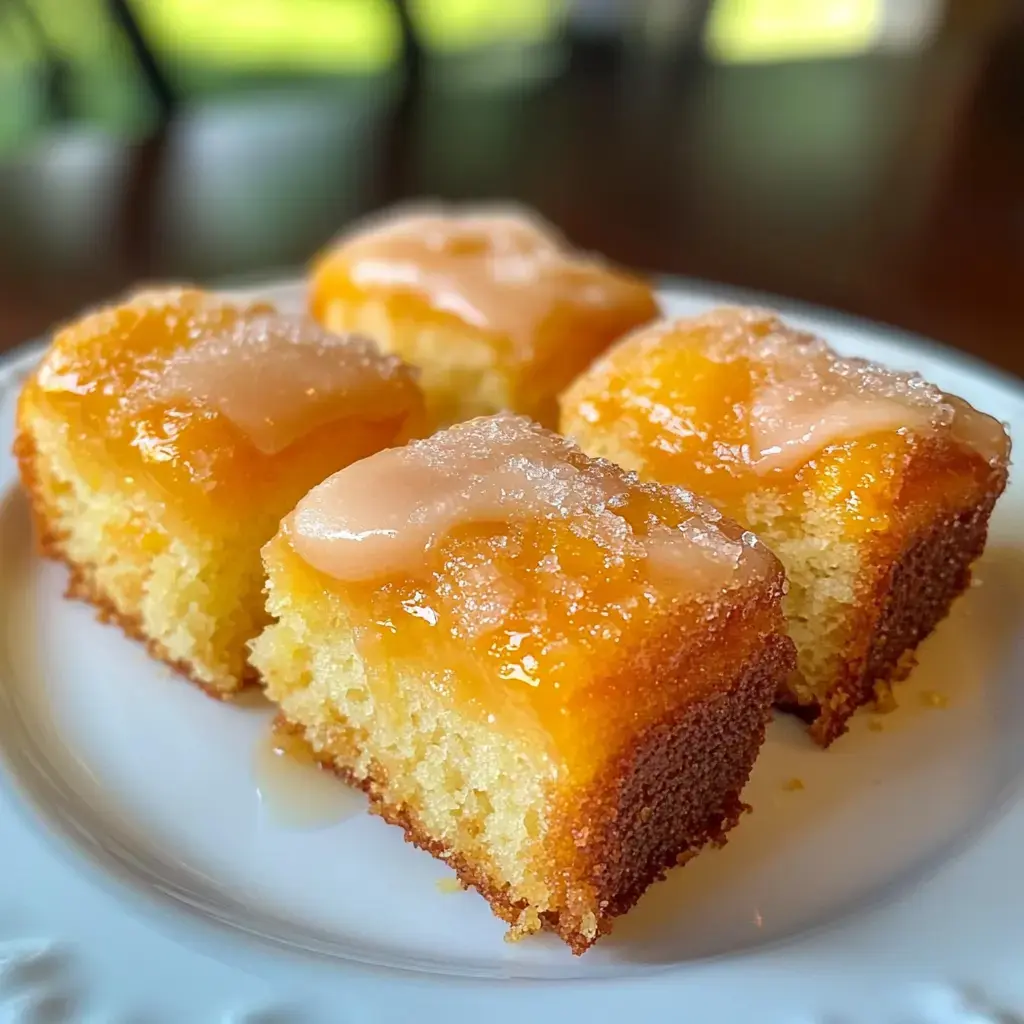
(294, 791)
(379, 517)
(977, 430)
(501, 271)
(791, 422)
(278, 377)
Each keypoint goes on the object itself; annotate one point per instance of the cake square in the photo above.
(497, 311)
(552, 676)
(873, 487)
(160, 441)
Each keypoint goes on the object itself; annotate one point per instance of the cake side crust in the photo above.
(908, 585)
(674, 790)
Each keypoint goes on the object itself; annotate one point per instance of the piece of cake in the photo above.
(552, 676)
(492, 305)
(872, 486)
(160, 442)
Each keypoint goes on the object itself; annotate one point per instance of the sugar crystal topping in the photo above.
(811, 397)
(382, 516)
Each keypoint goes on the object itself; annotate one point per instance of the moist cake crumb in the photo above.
(873, 486)
(160, 442)
(550, 674)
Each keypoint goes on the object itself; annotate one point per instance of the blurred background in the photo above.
(864, 154)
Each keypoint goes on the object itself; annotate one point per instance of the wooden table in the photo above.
(891, 187)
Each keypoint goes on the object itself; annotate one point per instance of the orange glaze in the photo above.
(521, 608)
(504, 274)
(192, 442)
(735, 403)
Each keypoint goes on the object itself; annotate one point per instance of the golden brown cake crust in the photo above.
(81, 582)
(674, 790)
(908, 587)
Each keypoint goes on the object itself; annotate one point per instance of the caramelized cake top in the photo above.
(524, 565)
(190, 388)
(501, 271)
(741, 401)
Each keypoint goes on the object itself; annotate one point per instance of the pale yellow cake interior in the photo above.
(681, 403)
(469, 785)
(196, 595)
(461, 373)
(160, 500)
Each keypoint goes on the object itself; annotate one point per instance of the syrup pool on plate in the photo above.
(293, 789)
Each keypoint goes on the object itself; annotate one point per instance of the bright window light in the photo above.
(742, 31)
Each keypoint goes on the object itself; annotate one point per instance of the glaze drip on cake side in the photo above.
(379, 517)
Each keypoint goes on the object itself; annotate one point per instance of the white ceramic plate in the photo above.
(145, 878)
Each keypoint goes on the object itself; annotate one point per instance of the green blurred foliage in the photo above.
(65, 59)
